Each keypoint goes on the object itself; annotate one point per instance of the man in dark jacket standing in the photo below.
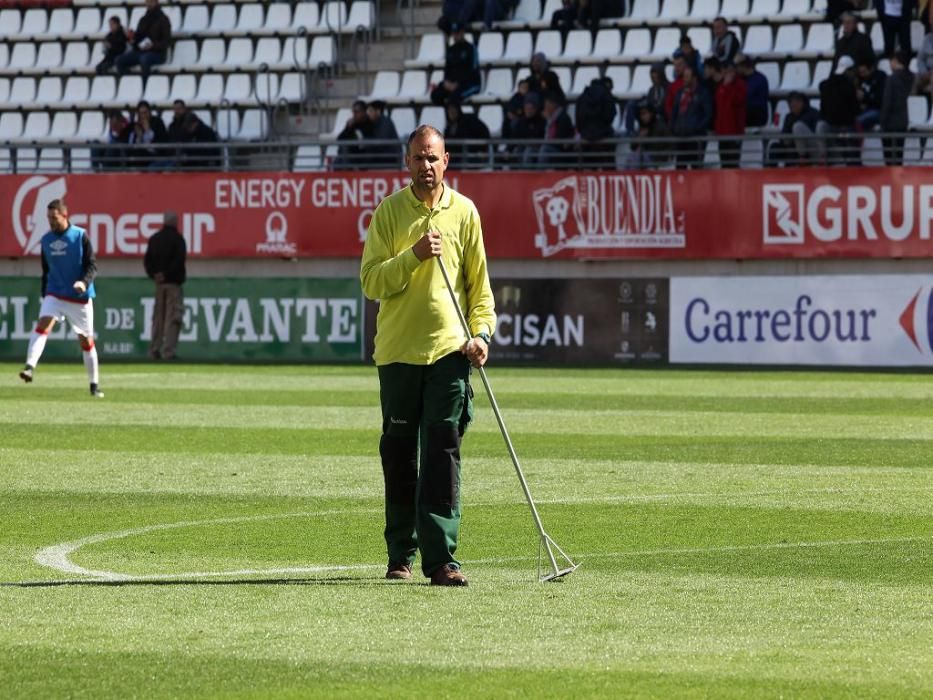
(692, 117)
(461, 70)
(596, 111)
(558, 126)
(839, 108)
(165, 265)
(151, 41)
(757, 91)
(386, 154)
(894, 115)
(895, 16)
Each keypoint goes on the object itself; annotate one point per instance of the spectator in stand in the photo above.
(350, 148)
(797, 145)
(869, 89)
(530, 127)
(657, 93)
(725, 42)
(852, 43)
(515, 109)
(839, 109)
(176, 131)
(114, 45)
(672, 89)
(550, 83)
(196, 136)
(539, 66)
(118, 132)
(465, 126)
(558, 127)
(836, 8)
(731, 106)
(692, 118)
(463, 12)
(758, 104)
(894, 115)
(565, 18)
(895, 17)
(461, 70)
(925, 62)
(151, 41)
(650, 126)
(382, 155)
(591, 12)
(147, 132)
(596, 112)
(690, 54)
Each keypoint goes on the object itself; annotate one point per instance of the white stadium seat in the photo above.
(61, 22)
(608, 45)
(414, 86)
(795, 8)
(76, 91)
(820, 40)
(582, 78)
(27, 159)
(87, 22)
(676, 10)
(548, 42)
(704, 11)
(91, 126)
(196, 20)
(621, 77)
(64, 126)
(11, 125)
(210, 90)
(23, 56)
(35, 21)
(404, 120)
(251, 18)
(157, 89)
(36, 126)
(789, 39)
(184, 87)
(268, 51)
(641, 80)
(292, 88)
(49, 92)
(22, 92)
(490, 46)
(223, 18)
(734, 9)
(917, 113)
(579, 45)
(499, 83)
(308, 158)
(666, 41)
(306, 16)
(4, 90)
(796, 76)
(518, 48)
(492, 117)
(266, 88)
(323, 51)
(213, 53)
(10, 21)
(81, 160)
(385, 86)
(295, 52)
(78, 56)
(432, 116)
(759, 39)
(253, 125)
(645, 9)
(238, 88)
(50, 55)
(239, 53)
(334, 16)
(130, 90)
(103, 90)
(184, 53)
(278, 17)
(637, 44)
(701, 38)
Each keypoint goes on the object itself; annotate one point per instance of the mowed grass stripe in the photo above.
(566, 401)
(551, 419)
(255, 380)
(487, 479)
(865, 452)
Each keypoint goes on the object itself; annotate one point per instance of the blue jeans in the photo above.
(144, 59)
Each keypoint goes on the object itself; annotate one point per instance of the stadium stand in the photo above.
(256, 70)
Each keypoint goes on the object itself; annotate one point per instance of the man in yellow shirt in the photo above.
(423, 362)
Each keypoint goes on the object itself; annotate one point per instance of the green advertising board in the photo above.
(245, 319)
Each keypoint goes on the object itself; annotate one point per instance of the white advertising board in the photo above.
(844, 320)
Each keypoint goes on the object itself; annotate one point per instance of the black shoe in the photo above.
(26, 374)
(96, 392)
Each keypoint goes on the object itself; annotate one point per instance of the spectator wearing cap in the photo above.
(530, 127)
(895, 17)
(894, 116)
(925, 61)
(869, 89)
(649, 153)
(839, 108)
(557, 127)
(852, 42)
(797, 145)
(692, 118)
(731, 106)
(758, 91)
(679, 64)
(464, 126)
(461, 70)
(725, 42)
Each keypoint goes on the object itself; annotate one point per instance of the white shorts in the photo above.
(79, 316)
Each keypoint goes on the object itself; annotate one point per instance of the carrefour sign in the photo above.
(853, 320)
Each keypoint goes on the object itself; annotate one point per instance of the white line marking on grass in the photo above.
(58, 556)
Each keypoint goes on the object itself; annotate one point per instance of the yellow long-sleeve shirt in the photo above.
(417, 323)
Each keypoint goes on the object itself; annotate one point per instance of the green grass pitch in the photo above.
(741, 535)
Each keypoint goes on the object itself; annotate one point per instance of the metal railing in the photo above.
(708, 152)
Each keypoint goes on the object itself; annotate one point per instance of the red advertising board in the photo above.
(737, 214)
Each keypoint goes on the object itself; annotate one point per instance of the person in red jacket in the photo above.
(730, 114)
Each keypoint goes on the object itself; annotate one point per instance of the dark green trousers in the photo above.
(425, 409)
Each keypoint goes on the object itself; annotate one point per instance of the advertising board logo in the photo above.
(608, 212)
(277, 242)
(36, 192)
(917, 320)
(783, 214)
